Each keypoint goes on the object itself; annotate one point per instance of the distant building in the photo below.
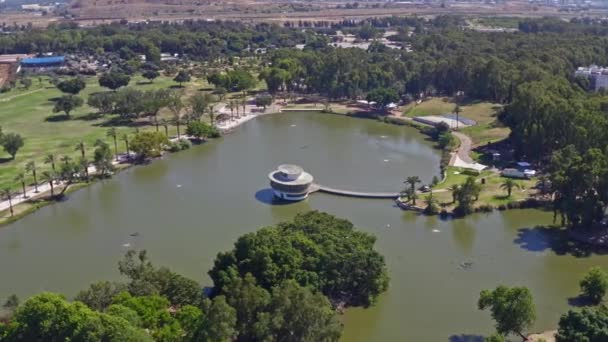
(597, 76)
(43, 62)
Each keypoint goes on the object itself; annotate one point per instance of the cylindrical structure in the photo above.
(290, 182)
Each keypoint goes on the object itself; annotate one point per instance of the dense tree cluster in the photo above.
(316, 250)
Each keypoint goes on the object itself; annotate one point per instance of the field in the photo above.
(30, 113)
(488, 129)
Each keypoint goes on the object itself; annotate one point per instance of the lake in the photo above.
(189, 206)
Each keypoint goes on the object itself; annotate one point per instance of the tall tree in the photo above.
(20, 177)
(412, 181)
(512, 309)
(50, 159)
(50, 177)
(6, 192)
(112, 133)
(11, 142)
(31, 167)
(114, 80)
(67, 103)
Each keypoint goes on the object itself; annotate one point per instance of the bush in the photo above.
(594, 285)
(173, 147)
(184, 144)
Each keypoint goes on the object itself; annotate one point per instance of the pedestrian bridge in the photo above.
(350, 193)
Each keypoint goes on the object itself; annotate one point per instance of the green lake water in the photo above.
(189, 206)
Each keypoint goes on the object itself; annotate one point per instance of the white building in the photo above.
(290, 182)
(598, 76)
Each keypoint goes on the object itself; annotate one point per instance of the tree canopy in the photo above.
(315, 249)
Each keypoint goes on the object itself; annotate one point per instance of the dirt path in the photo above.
(464, 150)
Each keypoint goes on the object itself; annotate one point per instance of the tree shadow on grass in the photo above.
(500, 197)
(5, 160)
(266, 196)
(57, 118)
(176, 86)
(466, 338)
(206, 89)
(89, 117)
(540, 239)
(118, 122)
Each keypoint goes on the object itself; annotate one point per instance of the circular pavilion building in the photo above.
(290, 182)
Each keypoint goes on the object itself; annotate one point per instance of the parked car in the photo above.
(425, 188)
(513, 173)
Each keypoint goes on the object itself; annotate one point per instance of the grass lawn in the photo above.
(30, 113)
(433, 106)
(491, 192)
(487, 130)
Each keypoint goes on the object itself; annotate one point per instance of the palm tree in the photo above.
(455, 188)
(236, 106)
(508, 185)
(50, 159)
(49, 176)
(244, 104)
(231, 107)
(83, 164)
(66, 159)
(165, 124)
(113, 133)
(80, 147)
(7, 192)
(31, 167)
(21, 179)
(125, 138)
(412, 182)
(457, 111)
(176, 105)
(211, 115)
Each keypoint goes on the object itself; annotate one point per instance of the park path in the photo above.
(464, 150)
(19, 95)
(18, 197)
(43, 188)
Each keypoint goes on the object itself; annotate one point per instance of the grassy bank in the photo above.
(30, 113)
(492, 194)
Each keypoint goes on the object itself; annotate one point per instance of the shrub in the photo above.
(594, 285)
(173, 147)
(184, 144)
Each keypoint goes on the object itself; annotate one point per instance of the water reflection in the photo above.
(266, 196)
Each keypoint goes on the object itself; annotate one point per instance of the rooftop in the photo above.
(289, 174)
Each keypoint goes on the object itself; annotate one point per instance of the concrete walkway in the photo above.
(31, 193)
(17, 198)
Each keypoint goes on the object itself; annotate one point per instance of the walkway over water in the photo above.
(349, 193)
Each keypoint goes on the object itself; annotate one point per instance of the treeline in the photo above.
(199, 39)
(282, 283)
(486, 66)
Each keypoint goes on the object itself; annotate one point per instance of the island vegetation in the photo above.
(294, 294)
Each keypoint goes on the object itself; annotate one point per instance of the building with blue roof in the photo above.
(43, 62)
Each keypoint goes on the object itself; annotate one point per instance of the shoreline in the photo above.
(37, 200)
(41, 199)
